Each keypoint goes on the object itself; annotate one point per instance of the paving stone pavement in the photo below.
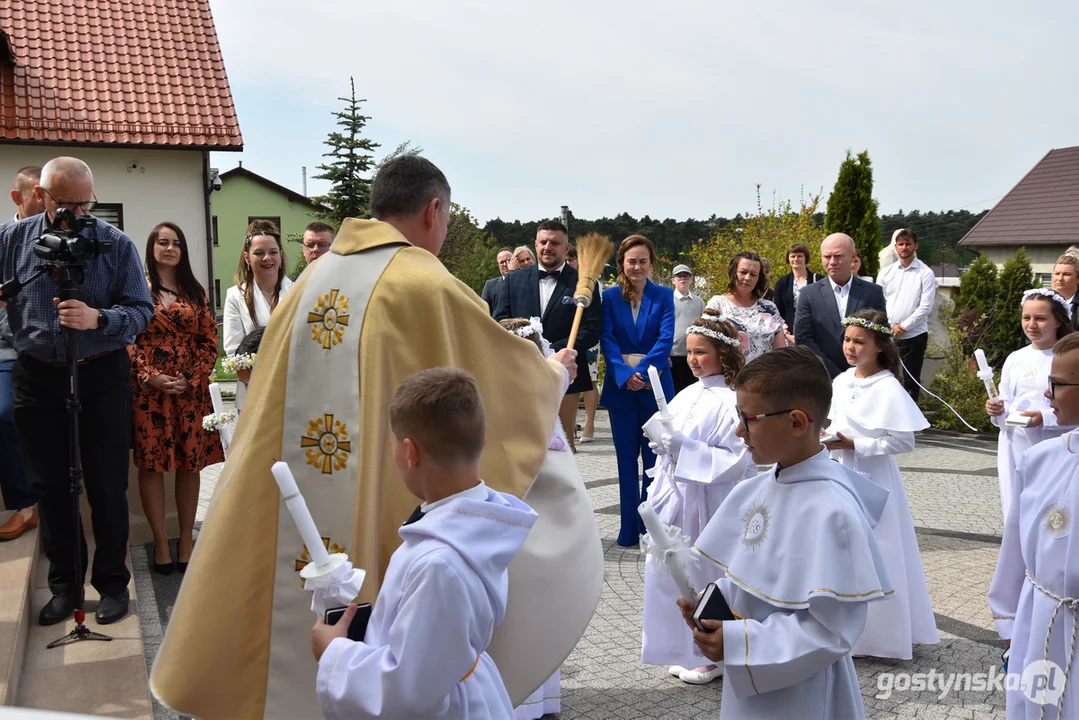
(952, 486)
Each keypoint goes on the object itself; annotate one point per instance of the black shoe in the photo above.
(111, 608)
(57, 610)
(181, 567)
(161, 568)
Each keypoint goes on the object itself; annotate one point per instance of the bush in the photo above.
(958, 383)
(769, 233)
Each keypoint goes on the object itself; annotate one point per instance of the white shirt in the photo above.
(842, 294)
(909, 293)
(546, 288)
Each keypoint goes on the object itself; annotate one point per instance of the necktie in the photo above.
(555, 274)
(416, 515)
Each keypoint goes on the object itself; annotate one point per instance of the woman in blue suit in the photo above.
(638, 331)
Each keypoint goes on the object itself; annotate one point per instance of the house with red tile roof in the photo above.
(1040, 214)
(135, 88)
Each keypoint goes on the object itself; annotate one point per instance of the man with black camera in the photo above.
(111, 307)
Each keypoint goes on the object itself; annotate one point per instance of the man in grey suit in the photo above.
(823, 305)
(493, 287)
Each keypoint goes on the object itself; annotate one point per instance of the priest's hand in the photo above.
(1035, 417)
(322, 634)
(843, 443)
(568, 360)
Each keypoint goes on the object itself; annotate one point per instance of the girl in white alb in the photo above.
(698, 464)
(875, 420)
(1023, 382)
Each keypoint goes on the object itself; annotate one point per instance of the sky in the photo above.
(675, 109)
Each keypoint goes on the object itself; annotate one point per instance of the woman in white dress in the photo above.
(696, 467)
(260, 284)
(875, 420)
(1023, 382)
(758, 321)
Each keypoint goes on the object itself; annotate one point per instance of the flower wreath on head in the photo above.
(868, 325)
(715, 335)
(1047, 294)
(535, 327)
(232, 363)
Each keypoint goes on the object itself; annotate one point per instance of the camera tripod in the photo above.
(69, 277)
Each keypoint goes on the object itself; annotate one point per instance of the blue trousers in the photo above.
(13, 481)
(630, 444)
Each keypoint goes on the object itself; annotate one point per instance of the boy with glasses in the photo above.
(795, 553)
(1034, 597)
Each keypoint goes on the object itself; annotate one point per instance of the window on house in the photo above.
(214, 223)
(1044, 279)
(112, 213)
(217, 293)
(275, 220)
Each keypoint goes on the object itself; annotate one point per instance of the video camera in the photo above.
(65, 245)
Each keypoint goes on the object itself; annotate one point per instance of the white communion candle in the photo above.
(657, 390)
(665, 549)
(986, 374)
(215, 396)
(300, 514)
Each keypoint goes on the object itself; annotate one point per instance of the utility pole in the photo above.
(565, 216)
(304, 169)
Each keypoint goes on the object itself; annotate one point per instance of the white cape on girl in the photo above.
(878, 414)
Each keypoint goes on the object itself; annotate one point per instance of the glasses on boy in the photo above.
(746, 419)
(1054, 384)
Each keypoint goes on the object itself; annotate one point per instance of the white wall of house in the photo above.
(166, 185)
(1042, 257)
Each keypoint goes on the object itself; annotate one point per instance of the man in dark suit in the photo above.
(546, 291)
(823, 305)
(493, 287)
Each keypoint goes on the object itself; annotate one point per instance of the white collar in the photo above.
(914, 264)
(476, 492)
(835, 285)
(680, 296)
(714, 381)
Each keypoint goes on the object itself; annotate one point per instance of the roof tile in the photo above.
(145, 72)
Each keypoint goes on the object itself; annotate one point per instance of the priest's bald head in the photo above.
(837, 255)
(413, 195)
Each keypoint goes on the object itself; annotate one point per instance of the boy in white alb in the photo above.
(795, 554)
(424, 654)
(1034, 596)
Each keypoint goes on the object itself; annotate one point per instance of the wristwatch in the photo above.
(102, 320)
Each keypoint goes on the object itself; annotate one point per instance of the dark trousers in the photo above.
(13, 482)
(105, 434)
(630, 444)
(681, 375)
(912, 353)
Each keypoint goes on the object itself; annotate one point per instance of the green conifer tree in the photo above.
(852, 209)
(352, 159)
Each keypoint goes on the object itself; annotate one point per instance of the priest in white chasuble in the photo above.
(376, 309)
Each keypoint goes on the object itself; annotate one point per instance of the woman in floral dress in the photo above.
(758, 320)
(170, 373)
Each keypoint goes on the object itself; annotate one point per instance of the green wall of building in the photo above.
(240, 199)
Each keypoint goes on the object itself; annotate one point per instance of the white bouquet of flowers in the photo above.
(216, 421)
(232, 363)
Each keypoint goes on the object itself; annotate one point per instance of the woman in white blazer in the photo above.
(260, 283)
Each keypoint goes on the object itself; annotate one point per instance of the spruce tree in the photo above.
(1016, 277)
(852, 209)
(352, 160)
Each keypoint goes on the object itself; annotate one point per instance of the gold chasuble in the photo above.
(361, 319)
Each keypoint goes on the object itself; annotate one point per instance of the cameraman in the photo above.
(113, 306)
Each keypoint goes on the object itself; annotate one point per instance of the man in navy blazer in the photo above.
(823, 305)
(493, 287)
(546, 291)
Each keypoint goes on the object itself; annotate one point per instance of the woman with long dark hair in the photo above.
(261, 280)
(638, 332)
(170, 375)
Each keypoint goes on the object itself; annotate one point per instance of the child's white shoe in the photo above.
(677, 670)
(696, 677)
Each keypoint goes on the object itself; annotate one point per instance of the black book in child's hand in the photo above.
(357, 629)
(711, 606)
